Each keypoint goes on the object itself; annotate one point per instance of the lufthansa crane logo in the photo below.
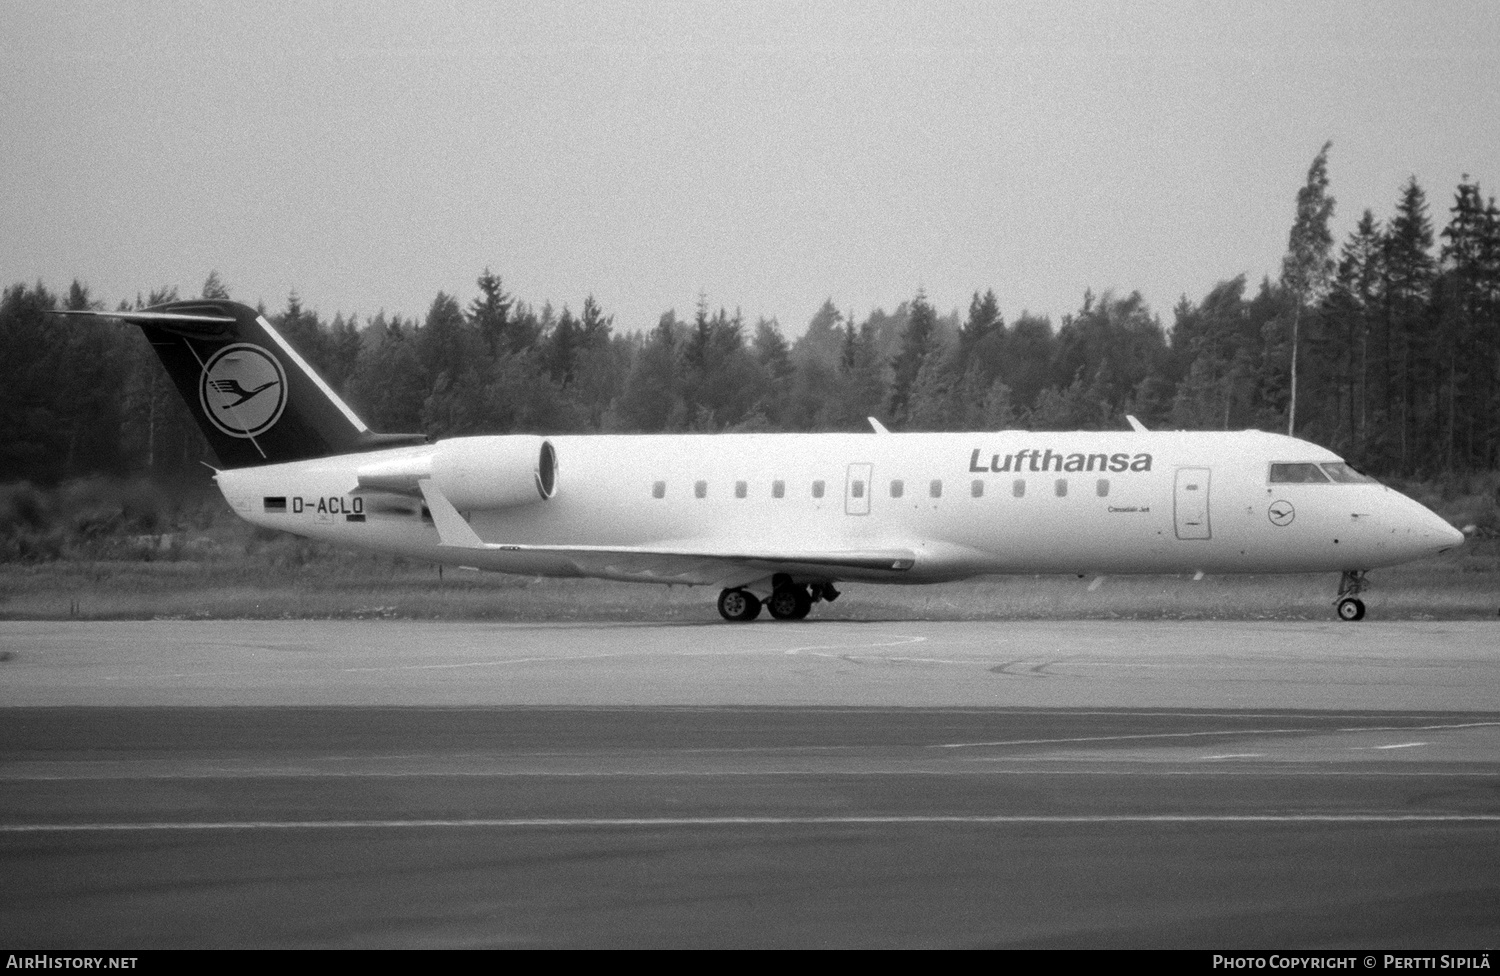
(1281, 512)
(243, 390)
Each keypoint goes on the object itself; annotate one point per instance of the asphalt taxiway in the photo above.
(311, 783)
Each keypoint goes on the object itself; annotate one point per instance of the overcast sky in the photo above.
(770, 155)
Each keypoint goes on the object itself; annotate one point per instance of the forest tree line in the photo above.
(1397, 339)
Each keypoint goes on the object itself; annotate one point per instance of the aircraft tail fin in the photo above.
(256, 400)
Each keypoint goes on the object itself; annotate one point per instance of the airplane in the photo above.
(773, 521)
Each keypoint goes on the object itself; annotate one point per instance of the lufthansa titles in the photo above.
(1047, 459)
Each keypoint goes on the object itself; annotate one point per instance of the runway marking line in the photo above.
(1133, 770)
(608, 822)
(901, 639)
(497, 662)
(1222, 732)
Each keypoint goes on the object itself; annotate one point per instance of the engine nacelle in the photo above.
(495, 472)
(472, 472)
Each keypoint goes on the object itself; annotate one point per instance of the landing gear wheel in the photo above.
(789, 602)
(1348, 603)
(738, 605)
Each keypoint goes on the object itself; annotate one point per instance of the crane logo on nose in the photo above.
(242, 390)
(1281, 512)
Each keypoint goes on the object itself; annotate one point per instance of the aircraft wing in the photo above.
(704, 566)
(684, 563)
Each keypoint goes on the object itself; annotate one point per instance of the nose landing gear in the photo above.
(1348, 604)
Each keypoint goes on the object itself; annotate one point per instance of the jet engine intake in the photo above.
(472, 472)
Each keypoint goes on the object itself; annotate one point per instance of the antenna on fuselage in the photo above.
(1136, 425)
(879, 427)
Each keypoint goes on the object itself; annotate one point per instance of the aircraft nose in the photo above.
(1435, 530)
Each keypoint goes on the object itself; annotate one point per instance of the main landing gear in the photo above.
(1349, 605)
(788, 600)
(739, 605)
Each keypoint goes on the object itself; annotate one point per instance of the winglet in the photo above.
(879, 427)
(453, 531)
(1136, 425)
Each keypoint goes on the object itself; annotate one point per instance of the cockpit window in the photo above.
(1345, 474)
(1299, 473)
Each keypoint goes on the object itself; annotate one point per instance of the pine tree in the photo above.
(823, 338)
(388, 388)
(1350, 312)
(1113, 344)
(601, 366)
(214, 287)
(1409, 273)
(1487, 452)
(932, 401)
(1460, 312)
(563, 347)
(1210, 341)
(917, 343)
(343, 344)
(652, 400)
(1028, 358)
(490, 314)
(983, 322)
(594, 324)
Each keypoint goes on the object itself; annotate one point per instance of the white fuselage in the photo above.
(965, 504)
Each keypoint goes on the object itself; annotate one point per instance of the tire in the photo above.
(789, 603)
(1351, 609)
(738, 606)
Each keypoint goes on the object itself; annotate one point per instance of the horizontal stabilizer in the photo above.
(210, 321)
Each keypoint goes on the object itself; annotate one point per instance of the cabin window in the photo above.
(857, 489)
(741, 489)
(1298, 474)
(276, 505)
(1102, 488)
(898, 488)
(701, 489)
(817, 489)
(1018, 488)
(935, 489)
(1062, 487)
(977, 488)
(659, 490)
(778, 489)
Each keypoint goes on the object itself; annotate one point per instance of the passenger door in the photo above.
(1190, 503)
